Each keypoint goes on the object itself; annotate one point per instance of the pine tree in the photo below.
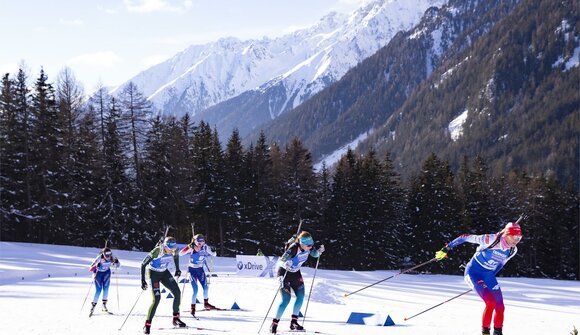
(208, 165)
(100, 103)
(70, 100)
(434, 211)
(569, 234)
(325, 191)
(395, 221)
(274, 229)
(341, 225)
(11, 167)
(188, 185)
(234, 188)
(371, 212)
(260, 198)
(298, 201)
(15, 162)
(47, 162)
(88, 184)
(135, 111)
(476, 191)
(116, 197)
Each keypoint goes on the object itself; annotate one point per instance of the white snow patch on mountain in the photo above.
(334, 157)
(455, 127)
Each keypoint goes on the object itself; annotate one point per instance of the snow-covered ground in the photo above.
(42, 288)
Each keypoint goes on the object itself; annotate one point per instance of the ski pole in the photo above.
(208, 275)
(117, 284)
(131, 310)
(89, 291)
(184, 281)
(428, 309)
(399, 273)
(310, 293)
(522, 217)
(272, 303)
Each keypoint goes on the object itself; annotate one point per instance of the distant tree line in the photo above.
(81, 172)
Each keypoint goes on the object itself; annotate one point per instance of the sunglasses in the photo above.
(108, 254)
(171, 245)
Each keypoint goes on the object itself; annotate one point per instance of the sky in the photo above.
(110, 41)
(47, 289)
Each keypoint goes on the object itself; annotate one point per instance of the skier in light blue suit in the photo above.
(289, 272)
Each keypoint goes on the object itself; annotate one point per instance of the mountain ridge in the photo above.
(281, 72)
(403, 97)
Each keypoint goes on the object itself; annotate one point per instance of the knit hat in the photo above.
(512, 229)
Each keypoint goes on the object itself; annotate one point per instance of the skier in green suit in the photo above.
(157, 262)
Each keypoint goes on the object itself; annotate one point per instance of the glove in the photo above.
(212, 252)
(143, 284)
(177, 273)
(116, 261)
(441, 254)
(321, 249)
(93, 269)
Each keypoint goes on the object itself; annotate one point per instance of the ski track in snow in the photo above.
(42, 288)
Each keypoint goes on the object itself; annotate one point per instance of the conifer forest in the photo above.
(79, 172)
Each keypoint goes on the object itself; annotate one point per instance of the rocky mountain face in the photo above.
(254, 81)
(372, 91)
(493, 79)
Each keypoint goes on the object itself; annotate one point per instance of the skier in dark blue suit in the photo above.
(101, 269)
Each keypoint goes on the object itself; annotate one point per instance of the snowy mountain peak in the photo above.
(295, 66)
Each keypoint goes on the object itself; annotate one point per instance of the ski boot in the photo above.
(497, 331)
(94, 304)
(274, 326)
(105, 306)
(177, 322)
(207, 305)
(294, 323)
(147, 327)
(485, 331)
(193, 310)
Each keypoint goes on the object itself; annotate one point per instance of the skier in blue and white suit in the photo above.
(101, 269)
(494, 251)
(200, 252)
(289, 272)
